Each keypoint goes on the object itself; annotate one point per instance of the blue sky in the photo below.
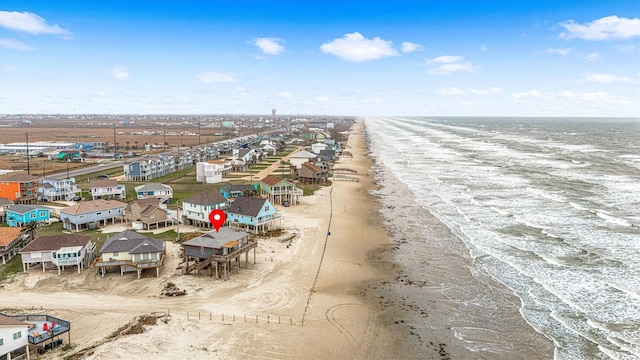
(425, 58)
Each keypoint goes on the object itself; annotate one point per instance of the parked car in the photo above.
(77, 198)
(103, 176)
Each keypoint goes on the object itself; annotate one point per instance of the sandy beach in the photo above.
(310, 294)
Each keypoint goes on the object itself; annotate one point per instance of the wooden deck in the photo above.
(223, 262)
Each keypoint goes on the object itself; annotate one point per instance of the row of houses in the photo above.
(152, 167)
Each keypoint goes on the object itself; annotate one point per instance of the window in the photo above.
(266, 208)
(32, 216)
(1, 341)
(115, 254)
(81, 216)
(43, 214)
(17, 335)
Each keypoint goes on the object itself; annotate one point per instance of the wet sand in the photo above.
(357, 293)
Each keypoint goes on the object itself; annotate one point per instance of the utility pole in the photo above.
(198, 133)
(115, 144)
(28, 164)
(164, 137)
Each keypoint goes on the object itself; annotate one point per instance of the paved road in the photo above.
(87, 170)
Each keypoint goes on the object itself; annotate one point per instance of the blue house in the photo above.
(21, 215)
(253, 214)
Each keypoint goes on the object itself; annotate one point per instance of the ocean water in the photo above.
(549, 208)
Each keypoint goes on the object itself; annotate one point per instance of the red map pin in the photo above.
(217, 218)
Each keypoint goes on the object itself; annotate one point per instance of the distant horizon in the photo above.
(453, 58)
(328, 115)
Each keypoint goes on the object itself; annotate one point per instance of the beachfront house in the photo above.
(107, 189)
(10, 240)
(148, 213)
(216, 250)
(310, 174)
(59, 190)
(20, 188)
(59, 251)
(253, 214)
(87, 215)
(14, 335)
(162, 192)
(131, 251)
(280, 191)
(21, 215)
(196, 208)
(149, 168)
(41, 328)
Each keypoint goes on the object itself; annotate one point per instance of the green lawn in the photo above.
(13, 266)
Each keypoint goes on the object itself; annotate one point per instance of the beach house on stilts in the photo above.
(218, 251)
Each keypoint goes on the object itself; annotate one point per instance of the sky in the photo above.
(355, 58)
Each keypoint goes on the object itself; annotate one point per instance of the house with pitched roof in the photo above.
(131, 251)
(298, 158)
(4, 205)
(280, 191)
(60, 251)
(21, 215)
(14, 335)
(20, 188)
(92, 214)
(162, 192)
(107, 189)
(196, 208)
(149, 212)
(310, 174)
(253, 214)
(217, 250)
(59, 190)
(10, 240)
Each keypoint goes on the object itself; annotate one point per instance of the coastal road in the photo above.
(87, 170)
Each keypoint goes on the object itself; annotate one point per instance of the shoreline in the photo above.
(358, 290)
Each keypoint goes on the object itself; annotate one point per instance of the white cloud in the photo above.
(448, 69)
(322, 98)
(356, 48)
(451, 90)
(466, 103)
(606, 78)
(561, 52)
(487, 91)
(29, 23)
(606, 28)
(531, 93)
(586, 96)
(213, 77)
(14, 44)
(120, 73)
(409, 47)
(285, 95)
(270, 46)
(446, 59)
